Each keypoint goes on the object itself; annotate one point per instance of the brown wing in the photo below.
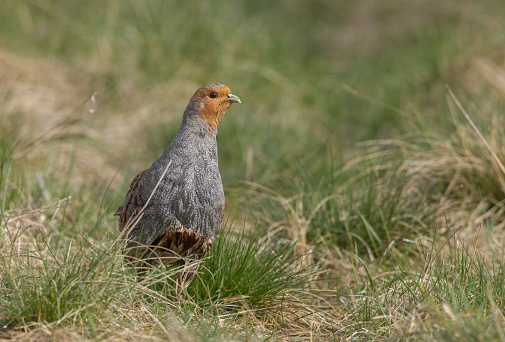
(133, 202)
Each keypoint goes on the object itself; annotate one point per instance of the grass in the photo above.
(363, 170)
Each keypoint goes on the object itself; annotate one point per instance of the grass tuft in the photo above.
(249, 269)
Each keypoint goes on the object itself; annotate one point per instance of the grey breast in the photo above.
(190, 195)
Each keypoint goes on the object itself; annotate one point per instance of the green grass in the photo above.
(366, 207)
(261, 269)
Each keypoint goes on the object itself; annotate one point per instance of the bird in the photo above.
(173, 211)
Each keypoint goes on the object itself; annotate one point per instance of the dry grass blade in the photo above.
(476, 129)
(132, 222)
(473, 257)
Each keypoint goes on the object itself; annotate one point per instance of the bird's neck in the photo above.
(198, 128)
(193, 143)
(195, 121)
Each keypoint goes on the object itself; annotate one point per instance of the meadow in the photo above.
(364, 170)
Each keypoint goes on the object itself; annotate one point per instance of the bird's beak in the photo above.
(232, 98)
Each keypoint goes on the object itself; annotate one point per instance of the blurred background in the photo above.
(316, 77)
(347, 141)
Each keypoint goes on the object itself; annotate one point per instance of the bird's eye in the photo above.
(213, 95)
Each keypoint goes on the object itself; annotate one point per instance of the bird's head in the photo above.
(210, 102)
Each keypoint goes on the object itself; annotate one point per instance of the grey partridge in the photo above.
(173, 211)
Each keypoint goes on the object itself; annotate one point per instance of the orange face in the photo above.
(216, 102)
